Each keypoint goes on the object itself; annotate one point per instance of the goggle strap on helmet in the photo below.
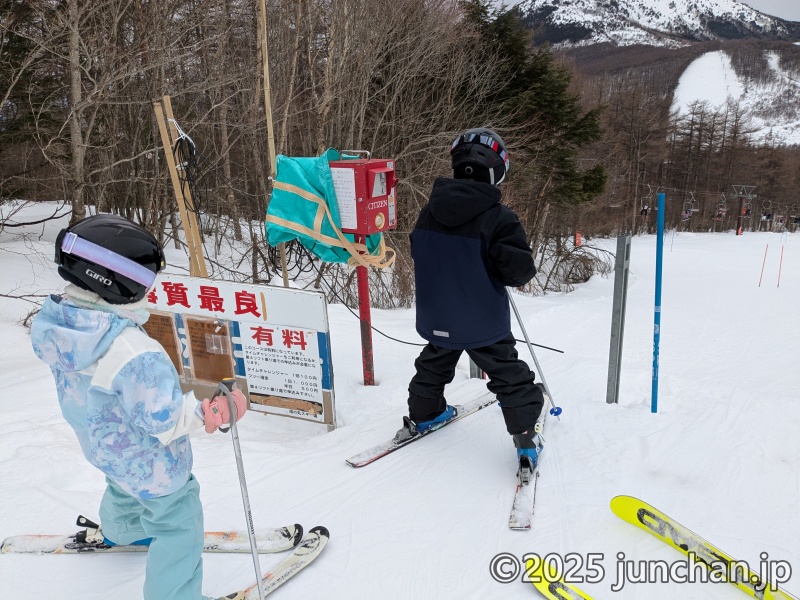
(484, 140)
(72, 244)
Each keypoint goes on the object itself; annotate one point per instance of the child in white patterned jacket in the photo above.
(121, 394)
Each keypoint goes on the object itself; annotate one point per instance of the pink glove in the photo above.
(216, 411)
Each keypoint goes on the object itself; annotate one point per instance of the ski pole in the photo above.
(545, 347)
(555, 410)
(226, 387)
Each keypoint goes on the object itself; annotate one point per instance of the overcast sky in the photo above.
(785, 9)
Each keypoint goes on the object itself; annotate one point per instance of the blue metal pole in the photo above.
(657, 313)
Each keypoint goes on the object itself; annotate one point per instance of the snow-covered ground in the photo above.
(722, 455)
(711, 78)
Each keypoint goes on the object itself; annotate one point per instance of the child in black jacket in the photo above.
(467, 247)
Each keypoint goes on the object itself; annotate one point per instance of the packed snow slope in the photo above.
(722, 455)
(771, 103)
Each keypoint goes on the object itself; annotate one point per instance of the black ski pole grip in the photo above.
(225, 385)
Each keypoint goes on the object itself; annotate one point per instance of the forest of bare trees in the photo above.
(400, 78)
(699, 159)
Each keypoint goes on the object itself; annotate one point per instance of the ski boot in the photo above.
(411, 429)
(529, 446)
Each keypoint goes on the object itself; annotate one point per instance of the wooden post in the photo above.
(183, 197)
(262, 14)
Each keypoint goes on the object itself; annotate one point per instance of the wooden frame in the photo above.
(183, 196)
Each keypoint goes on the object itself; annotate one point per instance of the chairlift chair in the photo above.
(614, 201)
(689, 207)
(766, 210)
(722, 209)
(644, 202)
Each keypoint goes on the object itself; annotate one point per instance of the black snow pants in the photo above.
(509, 378)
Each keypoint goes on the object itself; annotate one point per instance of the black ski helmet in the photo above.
(480, 154)
(110, 256)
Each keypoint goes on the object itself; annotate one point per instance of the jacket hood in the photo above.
(70, 338)
(453, 202)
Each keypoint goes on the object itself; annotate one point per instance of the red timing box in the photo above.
(365, 194)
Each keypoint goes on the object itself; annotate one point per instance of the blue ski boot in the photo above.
(410, 428)
(529, 446)
(447, 414)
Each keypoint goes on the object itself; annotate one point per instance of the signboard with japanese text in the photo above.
(274, 341)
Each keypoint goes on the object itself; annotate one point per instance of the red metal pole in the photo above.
(362, 275)
(780, 267)
(762, 265)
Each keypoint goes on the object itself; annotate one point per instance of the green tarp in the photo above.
(303, 190)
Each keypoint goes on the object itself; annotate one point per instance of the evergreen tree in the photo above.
(550, 125)
(26, 94)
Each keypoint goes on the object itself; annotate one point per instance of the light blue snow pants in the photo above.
(175, 522)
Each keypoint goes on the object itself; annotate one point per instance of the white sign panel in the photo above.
(273, 340)
(281, 361)
(344, 185)
(239, 301)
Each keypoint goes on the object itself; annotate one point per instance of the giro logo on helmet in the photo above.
(104, 280)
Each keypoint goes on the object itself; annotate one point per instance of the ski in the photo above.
(549, 587)
(522, 508)
(521, 515)
(371, 455)
(643, 515)
(302, 556)
(268, 541)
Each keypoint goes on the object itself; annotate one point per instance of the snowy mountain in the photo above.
(723, 53)
(652, 22)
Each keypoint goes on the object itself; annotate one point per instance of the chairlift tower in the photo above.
(742, 192)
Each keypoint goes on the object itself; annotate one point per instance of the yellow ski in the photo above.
(639, 513)
(550, 588)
